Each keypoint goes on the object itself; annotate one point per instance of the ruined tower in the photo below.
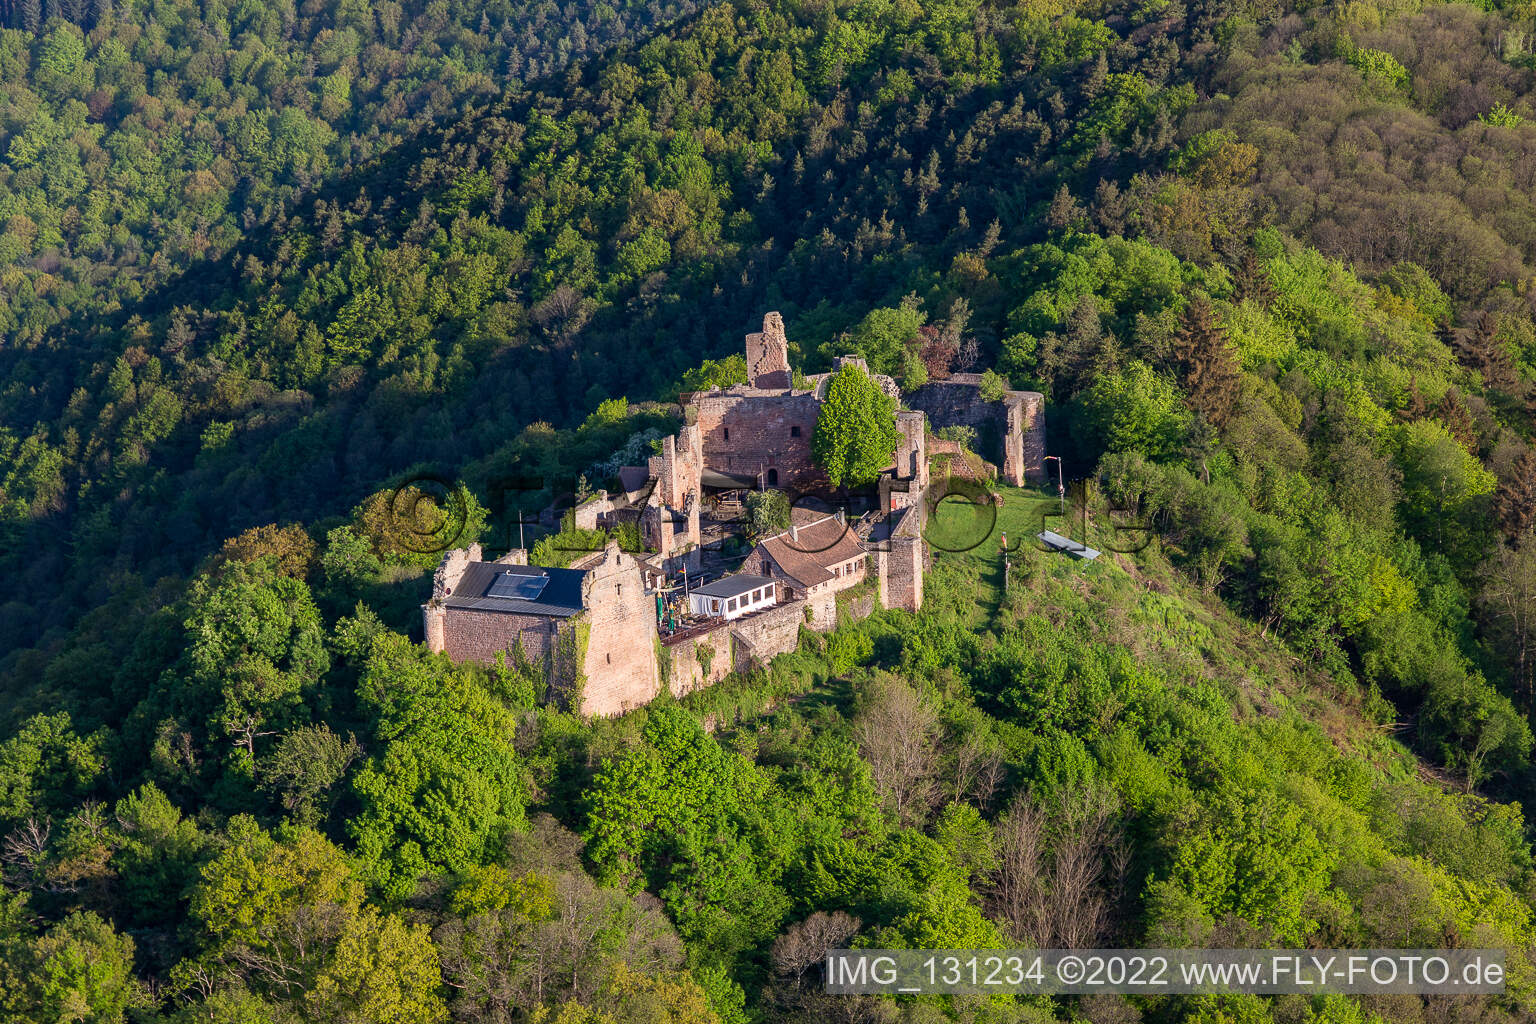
(768, 355)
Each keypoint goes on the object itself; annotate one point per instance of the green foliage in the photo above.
(244, 288)
(407, 525)
(442, 787)
(291, 906)
(885, 338)
(254, 648)
(348, 559)
(45, 766)
(693, 822)
(1256, 856)
(1442, 486)
(994, 386)
(1376, 66)
(767, 513)
(717, 373)
(1134, 410)
(80, 969)
(856, 432)
(1500, 116)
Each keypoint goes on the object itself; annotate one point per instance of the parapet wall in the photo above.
(735, 646)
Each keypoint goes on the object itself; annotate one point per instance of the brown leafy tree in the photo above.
(897, 733)
(290, 545)
(1206, 363)
(1060, 865)
(1065, 211)
(937, 352)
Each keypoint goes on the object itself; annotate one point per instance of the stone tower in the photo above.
(768, 355)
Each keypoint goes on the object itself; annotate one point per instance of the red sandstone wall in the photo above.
(620, 665)
(478, 636)
(761, 435)
(755, 639)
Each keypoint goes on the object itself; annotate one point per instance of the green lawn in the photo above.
(964, 530)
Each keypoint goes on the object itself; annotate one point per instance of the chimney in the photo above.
(794, 531)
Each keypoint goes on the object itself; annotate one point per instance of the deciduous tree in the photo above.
(856, 434)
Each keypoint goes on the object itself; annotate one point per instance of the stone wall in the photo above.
(586, 516)
(764, 636)
(768, 355)
(739, 645)
(903, 563)
(479, 636)
(669, 523)
(1025, 449)
(620, 663)
(823, 606)
(1010, 432)
(760, 436)
(685, 673)
(911, 464)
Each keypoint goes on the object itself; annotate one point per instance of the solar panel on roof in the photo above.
(517, 587)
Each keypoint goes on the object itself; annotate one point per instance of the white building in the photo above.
(731, 597)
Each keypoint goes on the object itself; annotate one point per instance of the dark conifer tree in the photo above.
(1206, 363)
(1514, 503)
(1478, 346)
(1452, 413)
(1414, 407)
(1252, 280)
(1071, 359)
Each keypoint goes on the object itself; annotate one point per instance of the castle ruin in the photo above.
(594, 627)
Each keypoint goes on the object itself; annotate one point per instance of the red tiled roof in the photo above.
(807, 555)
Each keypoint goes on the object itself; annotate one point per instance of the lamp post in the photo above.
(1061, 488)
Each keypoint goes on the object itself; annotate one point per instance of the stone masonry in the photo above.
(762, 438)
(768, 355)
(620, 668)
(670, 520)
(1010, 432)
(613, 629)
(735, 646)
(901, 563)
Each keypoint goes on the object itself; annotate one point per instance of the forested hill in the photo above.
(1272, 265)
(433, 303)
(144, 139)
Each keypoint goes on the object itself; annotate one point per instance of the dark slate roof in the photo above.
(731, 586)
(726, 481)
(560, 598)
(633, 478)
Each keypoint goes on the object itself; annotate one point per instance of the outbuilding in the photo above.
(731, 597)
